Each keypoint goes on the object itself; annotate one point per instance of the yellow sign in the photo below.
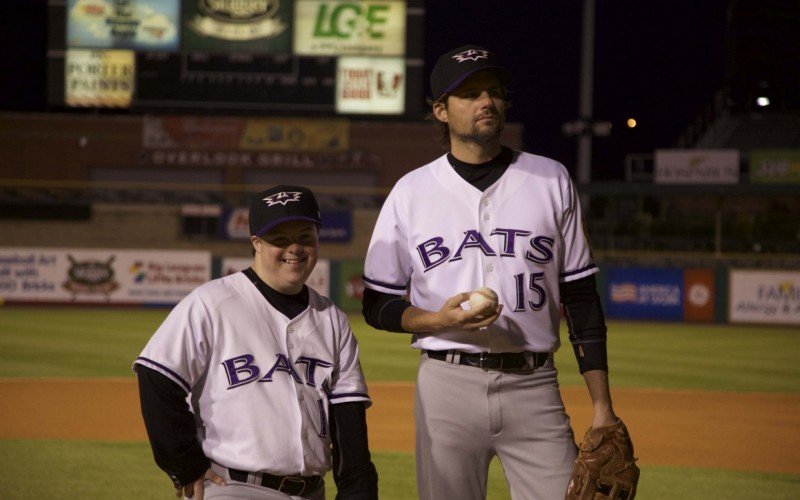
(99, 78)
(296, 134)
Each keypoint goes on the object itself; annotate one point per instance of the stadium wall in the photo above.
(69, 146)
(161, 277)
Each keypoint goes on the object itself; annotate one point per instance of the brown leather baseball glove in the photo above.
(605, 467)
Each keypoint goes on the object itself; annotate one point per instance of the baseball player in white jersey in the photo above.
(486, 215)
(270, 369)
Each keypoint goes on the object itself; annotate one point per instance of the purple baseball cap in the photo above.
(281, 204)
(457, 65)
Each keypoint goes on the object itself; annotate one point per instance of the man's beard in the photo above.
(484, 134)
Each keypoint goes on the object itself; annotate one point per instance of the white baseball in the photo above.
(482, 296)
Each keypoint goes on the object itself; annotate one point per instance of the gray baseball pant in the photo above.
(465, 415)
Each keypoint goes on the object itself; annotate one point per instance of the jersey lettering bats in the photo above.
(521, 237)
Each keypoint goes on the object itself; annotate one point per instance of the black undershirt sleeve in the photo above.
(586, 323)
(384, 311)
(353, 471)
(170, 427)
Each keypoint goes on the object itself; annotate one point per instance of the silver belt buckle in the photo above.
(289, 480)
(482, 361)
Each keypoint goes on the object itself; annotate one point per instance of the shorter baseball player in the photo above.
(252, 386)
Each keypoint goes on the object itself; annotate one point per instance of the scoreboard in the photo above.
(315, 57)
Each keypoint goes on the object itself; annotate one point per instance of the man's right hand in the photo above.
(196, 489)
(451, 316)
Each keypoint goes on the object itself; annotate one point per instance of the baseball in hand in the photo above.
(482, 296)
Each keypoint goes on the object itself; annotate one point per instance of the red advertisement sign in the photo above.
(698, 299)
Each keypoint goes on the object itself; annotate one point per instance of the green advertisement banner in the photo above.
(351, 288)
(350, 27)
(774, 166)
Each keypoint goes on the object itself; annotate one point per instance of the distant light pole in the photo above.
(585, 106)
(586, 126)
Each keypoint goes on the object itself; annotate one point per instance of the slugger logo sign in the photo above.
(331, 27)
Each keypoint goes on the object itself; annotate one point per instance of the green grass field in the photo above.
(62, 342)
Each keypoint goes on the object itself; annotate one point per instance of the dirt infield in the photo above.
(741, 431)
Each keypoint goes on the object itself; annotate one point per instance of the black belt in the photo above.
(291, 485)
(501, 361)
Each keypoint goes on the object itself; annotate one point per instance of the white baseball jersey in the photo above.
(437, 235)
(259, 383)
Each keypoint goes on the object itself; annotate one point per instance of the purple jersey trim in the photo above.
(582, 270)
(177, 377)
(385, 285)
(349, 395)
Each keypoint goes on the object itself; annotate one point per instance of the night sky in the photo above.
(659, 61)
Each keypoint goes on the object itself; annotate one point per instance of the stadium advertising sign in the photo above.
(644, 293)
(123, 24)
(371, 85)
(192, 132)
(99, 78)
(351, 285)
(335, 27)
(252, 25)
(253, 134)
(353, 159)
(700, 293)
(774, 166)
(697, 166)
(319, 280)
(764, 297)
(73, 275)
(337, 226)
(296, 134)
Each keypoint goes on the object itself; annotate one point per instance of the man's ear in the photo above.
(256, 242)
(440, 111)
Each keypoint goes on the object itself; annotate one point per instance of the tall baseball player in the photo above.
(484, 215)
(270, 369)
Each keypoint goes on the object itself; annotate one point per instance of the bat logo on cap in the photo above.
(471, 54)
(282, 198)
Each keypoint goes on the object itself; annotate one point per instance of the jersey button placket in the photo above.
(489, 262)
(486, 216)
(485, 231)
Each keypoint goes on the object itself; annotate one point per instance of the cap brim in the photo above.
(266, 228)
(502, 74)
